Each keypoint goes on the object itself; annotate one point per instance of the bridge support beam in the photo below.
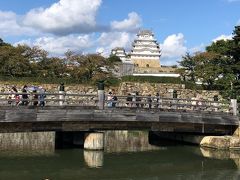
(94, 141)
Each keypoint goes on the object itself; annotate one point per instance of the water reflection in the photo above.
(215, 153)
(26, 153)
(128, 156)
(174, 162)
(222, 154)
(93, 159)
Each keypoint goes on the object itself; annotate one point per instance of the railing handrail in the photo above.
(83, 99)
(47, 94)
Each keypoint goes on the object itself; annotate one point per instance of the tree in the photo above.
(217, 67)
(208, 68)
(188, 65)
(2, 43)
(13, 63)
(51, 67)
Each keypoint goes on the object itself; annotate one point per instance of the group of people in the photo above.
(36, 95)
(135, 100)
(111, 99)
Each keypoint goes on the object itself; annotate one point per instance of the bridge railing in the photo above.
(169, 104)
(50, 99)
(145, 102)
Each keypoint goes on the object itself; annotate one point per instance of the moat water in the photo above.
(123, 162)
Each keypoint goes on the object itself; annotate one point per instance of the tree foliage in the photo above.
(24, 61)
(218, 67)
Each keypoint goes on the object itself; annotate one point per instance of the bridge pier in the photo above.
(94, 141)
(28, 141)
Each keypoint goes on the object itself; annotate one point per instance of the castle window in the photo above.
(147, 65)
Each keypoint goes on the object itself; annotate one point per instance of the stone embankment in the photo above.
(214, 142)
(165, 90)
(222, 142)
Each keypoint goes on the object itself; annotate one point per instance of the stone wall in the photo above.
(165, 90)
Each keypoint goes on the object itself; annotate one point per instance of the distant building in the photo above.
(144, 58)
(127, 67)
(145, 50)
(120, 52)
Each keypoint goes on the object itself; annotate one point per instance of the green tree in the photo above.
(51, 67)
(188, 66)
(2, 43)
(13, 63)
(208, 68)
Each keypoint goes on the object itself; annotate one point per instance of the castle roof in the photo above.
(118, 48)
(145, 32)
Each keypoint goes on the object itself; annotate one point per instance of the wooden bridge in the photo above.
(81, 112)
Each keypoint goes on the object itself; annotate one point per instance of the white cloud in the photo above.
(64, 17)
(110, 40)
(103, 43)
(132, 24)
(9, 25)
(222, 37)
(173, 46)
(196, 49)
(60, 45)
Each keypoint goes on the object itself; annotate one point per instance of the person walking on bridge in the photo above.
(149, 101)
(138, 99)
(109, 99)
(157, 100)
(24, 96)
(42, 97)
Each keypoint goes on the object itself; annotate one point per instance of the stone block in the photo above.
(216, 142)
(234, 142)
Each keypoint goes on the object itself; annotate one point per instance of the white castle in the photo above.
(145, 50)
(144, 58)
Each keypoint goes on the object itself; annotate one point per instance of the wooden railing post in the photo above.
(101, 95)
(234, 106)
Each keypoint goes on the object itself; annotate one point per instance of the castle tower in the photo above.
(145, 50)
(120, 52)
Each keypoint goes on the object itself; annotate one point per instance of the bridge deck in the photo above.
(22, 119)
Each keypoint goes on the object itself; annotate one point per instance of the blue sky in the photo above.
(99, 25)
